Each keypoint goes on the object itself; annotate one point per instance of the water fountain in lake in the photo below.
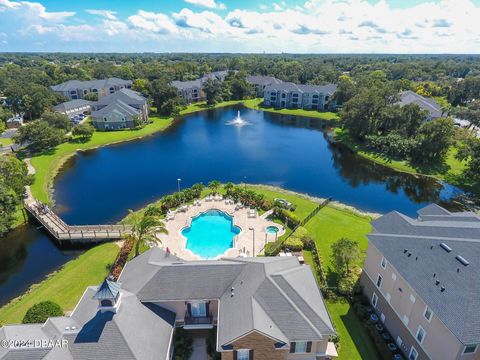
(238, 121)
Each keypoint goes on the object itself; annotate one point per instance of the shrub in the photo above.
(293, 243)
(272, 248)
(39, 313)
(122, 258)
(347, 285)
(182, 344)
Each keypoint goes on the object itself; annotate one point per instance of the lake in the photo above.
(99, 186)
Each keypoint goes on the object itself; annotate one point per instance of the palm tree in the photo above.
(214, 185)
(228, 187)
(145, 227)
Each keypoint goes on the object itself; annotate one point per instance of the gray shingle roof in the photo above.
(458, 306)
(127, 96)
(260, 285)
(275, 296)
(262, 80)
(116, 106)
(410, 97)
(90, 84)
(72, 104)
(198, 83)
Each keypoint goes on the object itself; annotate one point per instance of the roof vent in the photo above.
(409, 254)
(437, 282)
(462, 260)
(74, 327)
(446, 247)
(458, 269)
(67, 327)
(404, 251)
(232, 294)
(431, 247)
(416, 258)
(442, 289)
(434, 274)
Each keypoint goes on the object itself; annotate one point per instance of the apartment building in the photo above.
(76, 89)
(259, 83)
(422, 278)
(191, 91)
(119, 110)
(297, 96)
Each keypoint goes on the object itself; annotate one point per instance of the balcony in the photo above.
(198, 322)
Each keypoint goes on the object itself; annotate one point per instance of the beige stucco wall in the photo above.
(439, 342)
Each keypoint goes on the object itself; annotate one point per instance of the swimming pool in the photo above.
(210, 234)
(272, 229)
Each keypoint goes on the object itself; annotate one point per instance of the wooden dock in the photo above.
(74, 234)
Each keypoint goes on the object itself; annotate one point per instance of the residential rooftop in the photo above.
(428, 104)
(90, 84)
(438, 254)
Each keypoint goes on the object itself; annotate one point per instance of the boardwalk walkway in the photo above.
(64, 232)
(68, 233)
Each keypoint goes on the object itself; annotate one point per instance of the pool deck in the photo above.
(243, 242)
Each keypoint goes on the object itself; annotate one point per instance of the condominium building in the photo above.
(296, 96)
(76, 89)
(192, 91)
(119, 110)
(422, 278)
(259, 83)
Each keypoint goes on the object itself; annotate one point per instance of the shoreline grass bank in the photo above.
(451, 171)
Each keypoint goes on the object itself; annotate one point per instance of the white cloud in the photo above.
(447, 26)
(33, 10)
(108, 14)
(211, 4)
(155, 22)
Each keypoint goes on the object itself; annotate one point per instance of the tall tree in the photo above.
(213, 90)
(39, 136)
(344, 252)
(434, 139)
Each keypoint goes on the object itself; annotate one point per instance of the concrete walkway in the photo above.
(199, 346)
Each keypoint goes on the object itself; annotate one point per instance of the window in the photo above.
(420, 334)
(428, 313)
(412, 298)
(198, 309)
(470, 349)
(399, 341)
(374, 300)
(384, 263)
(413, 354)
(405, 319)
(388, 297)
(394, 276)
(379, 281)
(301, 347)
(382, 318)
(243, 354)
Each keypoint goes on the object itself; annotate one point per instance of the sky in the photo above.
(246, 26)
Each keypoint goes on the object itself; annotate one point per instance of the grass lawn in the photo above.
(5, 141)
(66, 286)
(355, 342)
(452, 166)
(256, 104)
(329, 225)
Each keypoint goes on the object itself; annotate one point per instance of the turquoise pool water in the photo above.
(210, 234)
(272, 229)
